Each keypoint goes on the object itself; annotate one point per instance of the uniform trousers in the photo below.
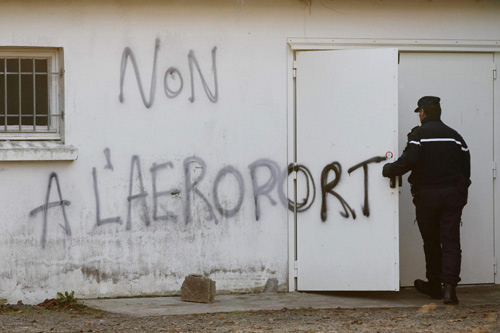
(439, 214)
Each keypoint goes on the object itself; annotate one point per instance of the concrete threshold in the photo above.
(408, 297)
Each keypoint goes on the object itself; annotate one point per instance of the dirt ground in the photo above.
(429, 318)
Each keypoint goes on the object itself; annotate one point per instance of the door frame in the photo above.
(404, 45)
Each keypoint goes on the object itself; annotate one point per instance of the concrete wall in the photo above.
(243, 44)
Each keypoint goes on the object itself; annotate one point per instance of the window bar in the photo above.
(5, 91)
(49, 90)
(34, 97)
(19, 81)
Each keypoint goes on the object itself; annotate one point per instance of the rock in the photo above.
(271, 285)
(196, 288)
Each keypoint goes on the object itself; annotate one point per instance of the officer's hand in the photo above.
(386, 170)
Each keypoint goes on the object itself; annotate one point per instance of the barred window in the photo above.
(30, 96)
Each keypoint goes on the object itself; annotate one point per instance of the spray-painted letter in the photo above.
(364, 164)
(139, 196)
(107, 154)
(169, 216)
(327, 187)
(45, 207)
(191, 188)
(268, 186)
(213, 97)
(169, 92)
(241, 187)
(128, 53)
(306, 203)
(100, 221)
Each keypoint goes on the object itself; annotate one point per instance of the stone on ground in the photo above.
(196, 288)
(271, 285)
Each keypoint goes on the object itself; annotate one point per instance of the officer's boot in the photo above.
(450, 295)
(432, 289)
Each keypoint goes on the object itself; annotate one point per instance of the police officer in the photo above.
(439, 160)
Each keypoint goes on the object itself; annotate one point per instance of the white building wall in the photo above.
(247, 123)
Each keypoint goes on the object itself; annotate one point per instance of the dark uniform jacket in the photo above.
(436, 154)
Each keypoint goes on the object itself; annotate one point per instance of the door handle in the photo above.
(393, 181)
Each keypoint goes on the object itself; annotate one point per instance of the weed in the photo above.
(67, 299)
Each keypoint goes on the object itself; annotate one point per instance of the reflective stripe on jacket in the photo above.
(436, 155)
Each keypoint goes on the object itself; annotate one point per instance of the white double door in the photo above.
(353, 230)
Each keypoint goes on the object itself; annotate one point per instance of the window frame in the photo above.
(55, 71)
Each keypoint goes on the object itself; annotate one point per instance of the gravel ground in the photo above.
(429, 318)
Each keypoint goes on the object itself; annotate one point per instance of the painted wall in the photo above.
(185, 178)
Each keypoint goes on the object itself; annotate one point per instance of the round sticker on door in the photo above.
(389, 154)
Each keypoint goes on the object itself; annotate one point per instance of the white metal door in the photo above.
(346, 114)
(465, 84)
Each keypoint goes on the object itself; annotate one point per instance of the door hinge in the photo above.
(295, 170)
(494, 71)
(495, 265)
(294, 68)
(494, 167)
(295, 269)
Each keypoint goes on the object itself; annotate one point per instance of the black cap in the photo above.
(428, 102)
